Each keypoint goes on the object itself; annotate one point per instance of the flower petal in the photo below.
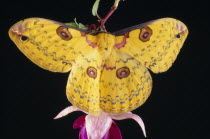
(132, 116)
(66, 111)
(114, 132)
(80, 122)
(97, 126)
(83, 133)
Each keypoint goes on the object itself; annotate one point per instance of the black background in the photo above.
(177, 108)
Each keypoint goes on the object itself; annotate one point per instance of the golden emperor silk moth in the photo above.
(109, 71)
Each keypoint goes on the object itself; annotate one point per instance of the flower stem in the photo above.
(102, 21)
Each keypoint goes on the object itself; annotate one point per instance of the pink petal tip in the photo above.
(132, 116)
(66, 111)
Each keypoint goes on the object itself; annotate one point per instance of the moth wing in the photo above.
(125, 84)
(49, 44)
(83, 84)
(155, 44)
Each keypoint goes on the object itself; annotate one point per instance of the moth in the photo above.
(109, 71)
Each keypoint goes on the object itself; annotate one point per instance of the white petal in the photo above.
(132, 116)
(66, 111)
(97, 126)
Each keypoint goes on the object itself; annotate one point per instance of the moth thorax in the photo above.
(105, 44)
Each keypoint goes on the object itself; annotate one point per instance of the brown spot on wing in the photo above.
(92, 72)
(145, 34)
(63, 33)
(123, 72)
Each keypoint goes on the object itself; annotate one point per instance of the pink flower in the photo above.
(113, 132)
(101, 126)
